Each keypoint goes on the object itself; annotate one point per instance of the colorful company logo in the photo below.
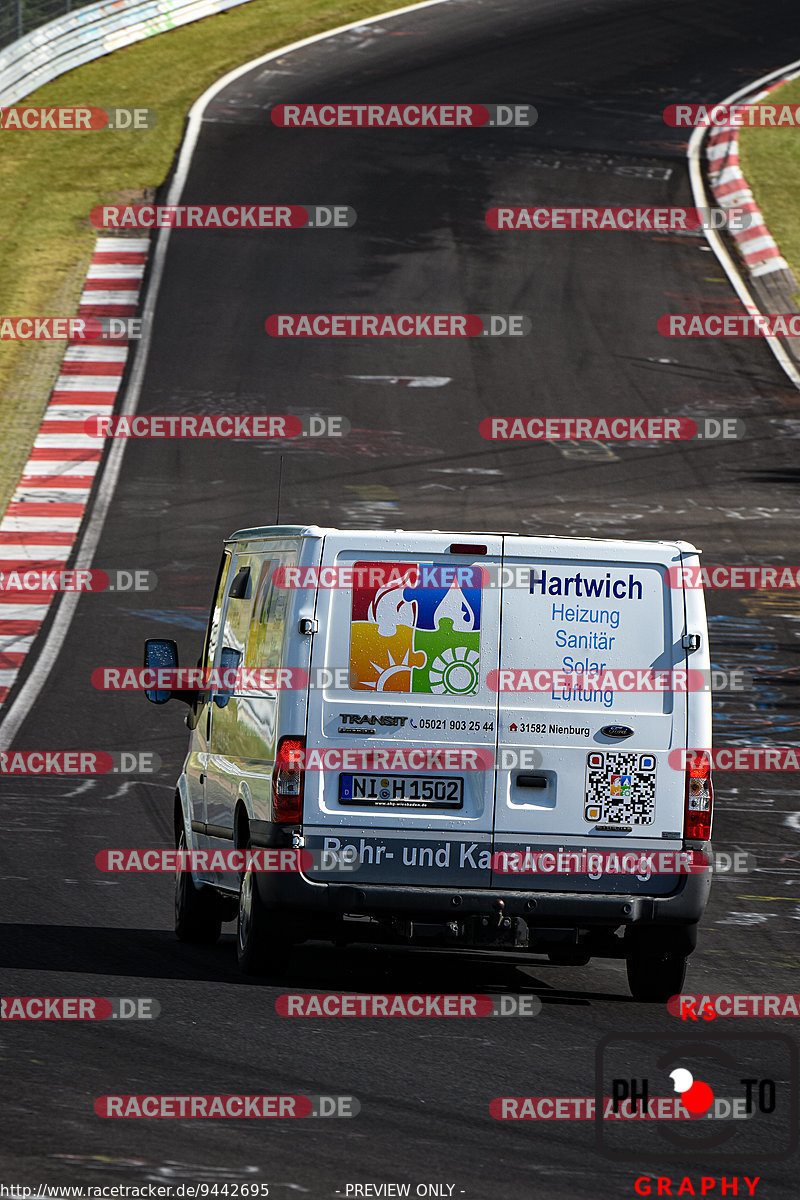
(620, 787)
(405, 637)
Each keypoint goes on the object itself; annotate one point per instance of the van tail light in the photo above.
(287, 781)
(699, 797)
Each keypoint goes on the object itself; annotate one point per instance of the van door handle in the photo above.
(537, 781)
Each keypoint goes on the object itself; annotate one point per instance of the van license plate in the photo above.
(402, 791)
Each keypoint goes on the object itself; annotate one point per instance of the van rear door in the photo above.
(411, 635)
(588, 768)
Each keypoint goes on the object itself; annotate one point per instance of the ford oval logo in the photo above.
(617, 730)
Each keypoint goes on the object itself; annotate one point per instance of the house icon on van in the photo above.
(513, 728)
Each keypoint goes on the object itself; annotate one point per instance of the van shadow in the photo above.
(157, 954)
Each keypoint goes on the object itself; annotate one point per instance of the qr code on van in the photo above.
(620, 788)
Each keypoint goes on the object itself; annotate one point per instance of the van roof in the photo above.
(260, 531)
(317, 531)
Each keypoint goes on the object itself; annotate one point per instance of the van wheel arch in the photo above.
(241, 826)
(177, 819)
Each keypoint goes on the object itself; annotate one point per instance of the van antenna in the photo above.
(280, 481)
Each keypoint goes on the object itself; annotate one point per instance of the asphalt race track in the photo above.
(600, 75)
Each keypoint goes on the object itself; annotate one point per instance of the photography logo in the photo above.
(739, 1091)
(696, 1097)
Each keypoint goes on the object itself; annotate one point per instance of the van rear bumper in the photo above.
(294, 893)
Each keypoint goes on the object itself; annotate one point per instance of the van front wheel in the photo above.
(259, 948)
(654, 977)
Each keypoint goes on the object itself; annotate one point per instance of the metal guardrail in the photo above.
(88, 32)
(18, 17)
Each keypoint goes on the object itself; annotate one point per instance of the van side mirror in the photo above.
(160, 654)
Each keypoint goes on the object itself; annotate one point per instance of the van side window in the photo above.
(237, 613)
(212, 635)
(265, 641)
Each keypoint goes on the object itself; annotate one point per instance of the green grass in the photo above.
(770, 161)
(50, 181)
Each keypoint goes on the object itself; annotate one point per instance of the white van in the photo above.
(451, 791)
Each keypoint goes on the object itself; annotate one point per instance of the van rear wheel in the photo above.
(260, 949)
(654, 977)
(197, 911)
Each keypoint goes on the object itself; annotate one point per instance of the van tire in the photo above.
(197, 909)
(259, 948)
(228, 908)
(654, 977)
